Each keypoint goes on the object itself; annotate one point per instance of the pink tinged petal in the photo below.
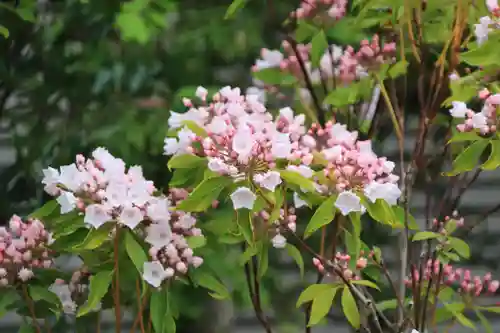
(279, 241)
(348, 202)
(67, 201)
(243, 198)
(154, 273)
(131, 216)
(96, 215)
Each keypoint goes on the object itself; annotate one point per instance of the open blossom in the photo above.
(483, 122)
(243, 197)
(268, 180)
(104, 189)
(170, 252)
(348, 202)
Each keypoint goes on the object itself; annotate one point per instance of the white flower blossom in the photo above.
(243, 198)
(479, 120)
(67, 201)
(201, 92)
(389, 192)
(279, 241)
(459, 109)
(154, 273)
(96, 215)
(158, 210)
(298, 202)
(268, 180)
(348, 202)
(131, 216)
(159, 235)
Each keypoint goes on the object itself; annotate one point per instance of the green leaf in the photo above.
(26, 328)
(135, 251)
(469, 158)
(387, 305)
(95, 238)
(99, 285)
(249, 252)
(304, 31)
(4, 31)
(381, 211)
(48, 208)
(366, 283)
(353, 245)
(39, 293)
(195, 128)
(464, 136)
(296, 178)
(460, 247)
(400, 216)
(322, 216)
(424, 235)
(342, 95)
(209, 281)
(313, 291)
(484, 321)
(158, 305)
(295, 254)
(195, 242)
(319, 44)
(7, 298)
(185, 161)
(493, 161)
(263, 260)
(133, 27)
(485, 55)
(350, 308)
(245, 226)
(398, 69)
(204, 194)
(492, 309)
(234, 7)
(321, 306)
(274, 76)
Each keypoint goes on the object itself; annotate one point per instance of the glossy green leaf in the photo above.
(263, 260)
(249, 252)
(195, 128)
(48, 208)
(321, 306)
(424, 235)
(484, 322)
(210, 282)
(464, 136)
(485, 55)
(158, 306)
(381, 212)
(297, 257)
(204, 194)
(313, 291)
(99, 285)
(365, 283)
(195, 242)
(319, 45)
(469, 158)
(135, 251)
(133, 27)
(4, 31)
(400, 216)
(350, 308)
(343, 95)
(185, 161)
(95, 238)
(460, 246)
(322, 216)
(7, 298)
(398, 69)
(493, 161)
(296, 178)
(274, 76)
(234, 7)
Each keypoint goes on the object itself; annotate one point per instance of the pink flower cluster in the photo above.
(241, 133)
(170, 252)
(487, 23)
(75, 293)
(104, 190)
(342, 261)
(335, 9)
(484, 122)
(285, 222)
(23, 247)
(450, 276)
(440, 226)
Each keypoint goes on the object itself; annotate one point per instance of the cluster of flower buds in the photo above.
(23, 247)
(287, 221)
(75, 293)
(342, 260)
(486, 23)
(353, 168)
(104, 190)
(441, 226)
(310, 9)
(170, 252)
(474, 286)
(485, 122)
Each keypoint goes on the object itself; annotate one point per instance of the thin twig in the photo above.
(117, 281)
(31, 308)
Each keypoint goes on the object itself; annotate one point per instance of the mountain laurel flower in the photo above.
(348, 202)
(67, 201)
(279, 241)
(154, 273)
(96, 215)
(298, 202)
(459, 109)
(159, 235)
(268, 180)
(243, 197)
(386, 191)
